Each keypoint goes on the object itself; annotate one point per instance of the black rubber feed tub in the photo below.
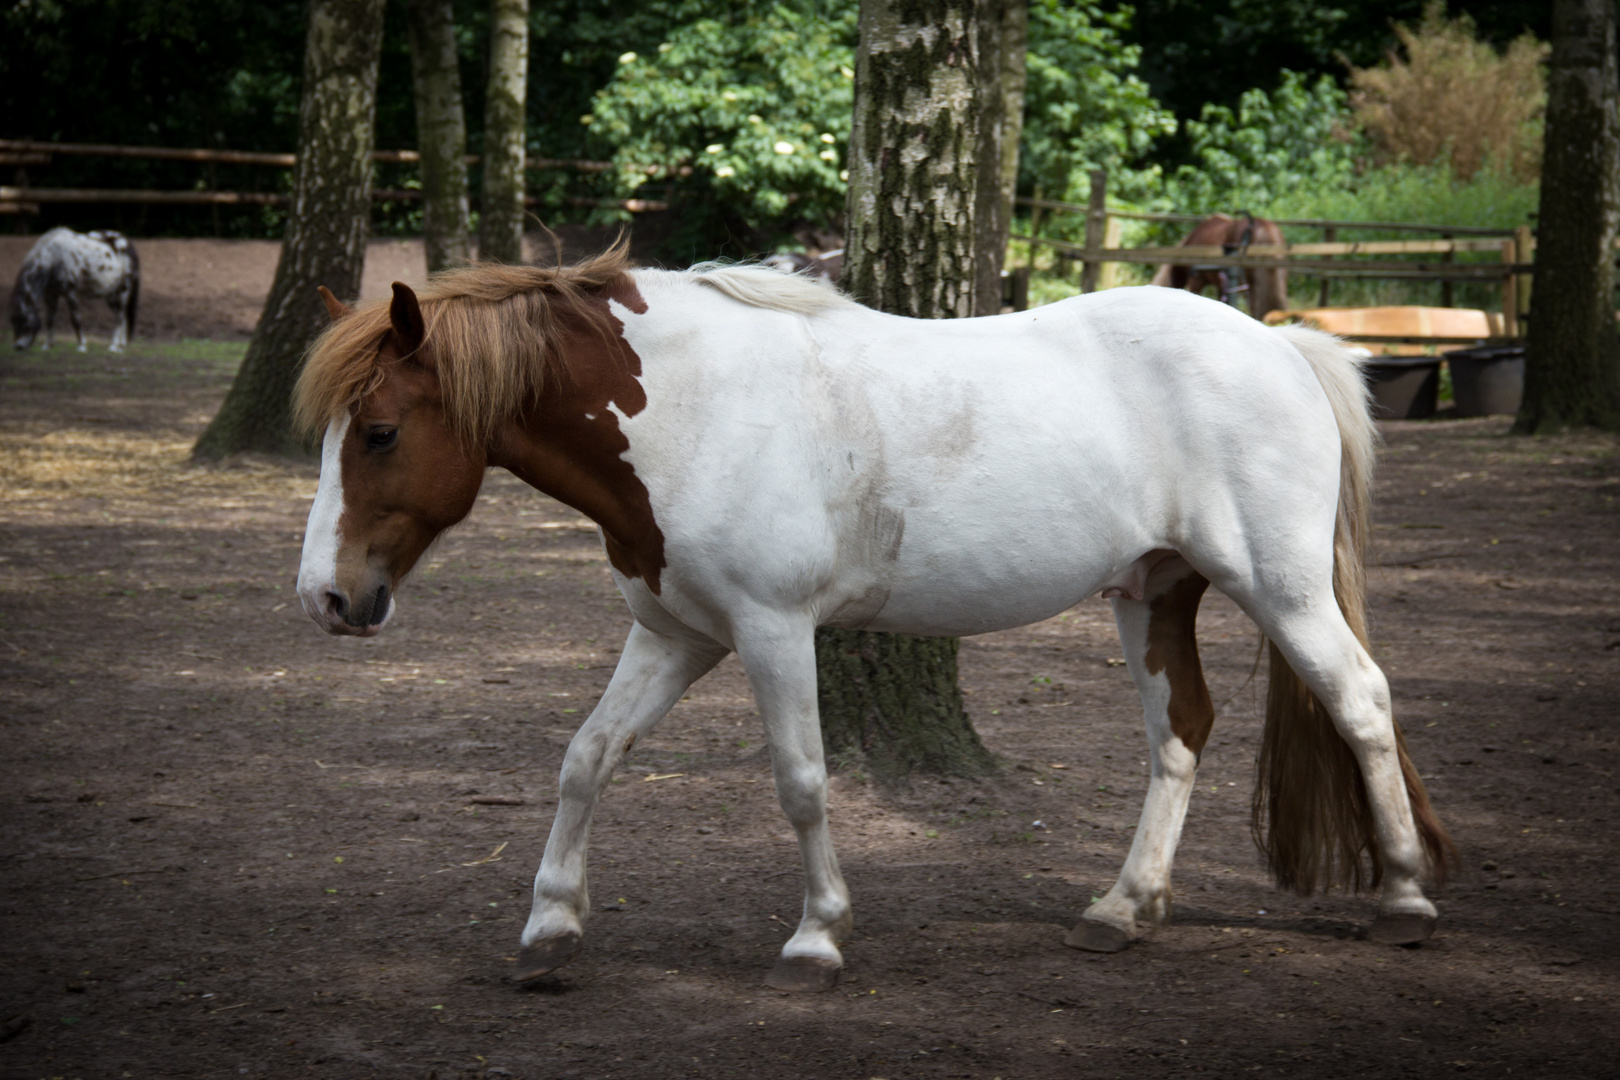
(1488, 379)
(1403, 387)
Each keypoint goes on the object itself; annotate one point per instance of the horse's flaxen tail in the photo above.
(1311, 815)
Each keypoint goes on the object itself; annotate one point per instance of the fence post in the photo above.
(1108, 277)
(1447, 298)
(1526, 243)
(1034, 230)
(1329, 235)
(1510, 290)
(1096, 228)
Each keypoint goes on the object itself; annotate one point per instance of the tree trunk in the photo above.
(325, 241)
(500, 221)
(1003, 38)
(441, 133)
(1014, 51)
(890, 700)
(1572, 376)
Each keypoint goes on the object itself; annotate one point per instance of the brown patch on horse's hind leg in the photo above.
(804, 974)
(546, 956)
(1401, 928)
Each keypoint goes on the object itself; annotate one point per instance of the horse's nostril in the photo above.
(379, 607)
(338, 605)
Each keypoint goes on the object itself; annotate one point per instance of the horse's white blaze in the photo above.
(317, 569)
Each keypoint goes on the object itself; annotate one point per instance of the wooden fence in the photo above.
(25, 198)
(1329, 259)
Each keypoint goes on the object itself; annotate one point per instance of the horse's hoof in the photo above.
(1096, 937)
(1401, 929)
(544, 957)
(804, 975)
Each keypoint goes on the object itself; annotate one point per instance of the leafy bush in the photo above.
(747, 112)
(1084, 108)
(1298, 138)
(1452, 97)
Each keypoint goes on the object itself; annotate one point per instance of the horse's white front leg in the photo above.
(652, 674)
(1157, 635)
(781, 664)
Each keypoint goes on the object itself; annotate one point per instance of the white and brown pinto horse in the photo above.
(1267, 288)
(765, 456)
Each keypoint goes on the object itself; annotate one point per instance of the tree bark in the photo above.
(327, 225)
(500, 222)
(1014, 50)
(913, 157)
(1572, 373)
(1003, 39)
(891, 701)
(441, 133)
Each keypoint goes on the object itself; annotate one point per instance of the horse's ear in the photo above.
(406, 315)
(334, 307)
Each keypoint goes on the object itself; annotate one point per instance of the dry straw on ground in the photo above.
(133, 471)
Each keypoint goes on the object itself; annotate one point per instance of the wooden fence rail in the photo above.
(16, 196)
(1304, 223)
(40, 155)
(1330, 259)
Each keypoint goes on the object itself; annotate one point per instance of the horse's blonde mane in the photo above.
(493, 332)
(762, 287)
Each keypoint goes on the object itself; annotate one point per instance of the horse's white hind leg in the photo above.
(120, 308)
(781, 664)
(1317, 643)
(652, 674)
(1157, 634)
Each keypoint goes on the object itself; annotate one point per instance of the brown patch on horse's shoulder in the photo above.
(570, 444)
(1173, 648)
(625, 292)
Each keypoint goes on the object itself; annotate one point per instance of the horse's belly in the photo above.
(963, 585)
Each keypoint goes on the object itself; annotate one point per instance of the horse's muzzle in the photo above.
(339, 613)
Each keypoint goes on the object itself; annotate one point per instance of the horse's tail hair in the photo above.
(1311, 816)
(134, 290)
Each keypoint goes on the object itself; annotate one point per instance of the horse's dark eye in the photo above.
(381, 439)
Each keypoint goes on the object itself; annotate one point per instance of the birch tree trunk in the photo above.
(500, 221)
(441, 133)
(891, 701)
(1572, 373)
(327, 225)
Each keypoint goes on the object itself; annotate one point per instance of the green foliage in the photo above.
(1084, 106)
(746, 111)
(1297, 138)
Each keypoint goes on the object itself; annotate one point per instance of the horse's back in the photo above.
(954, 476)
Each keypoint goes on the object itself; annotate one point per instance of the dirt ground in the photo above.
(233, 846)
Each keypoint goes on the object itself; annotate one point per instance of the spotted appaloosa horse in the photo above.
(1268, 289)
(765, 456)
(62, 264)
